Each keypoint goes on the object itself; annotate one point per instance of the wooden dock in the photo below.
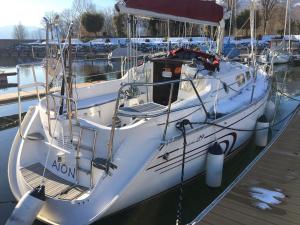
(13, 97)
(4, 81)
(268, 191)
(7, 74)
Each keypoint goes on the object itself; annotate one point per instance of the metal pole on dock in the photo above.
(70, 82)
(70, 75)
(47, 73)
(253, 37)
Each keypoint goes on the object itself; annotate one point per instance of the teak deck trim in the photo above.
(55, 186)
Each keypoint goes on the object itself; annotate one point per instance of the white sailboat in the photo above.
(296, 56)
(276, 54)
(280, 49)
(117, 143)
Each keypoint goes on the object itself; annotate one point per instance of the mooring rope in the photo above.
(288, 96)
(9, 202)
(181, 126)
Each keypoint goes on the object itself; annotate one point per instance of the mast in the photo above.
(253, 57)
(289, 11)
(230, 21)
(287, 25)
(252, 25)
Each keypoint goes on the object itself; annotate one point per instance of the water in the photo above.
(13, 61)
(162, 208)
(7, 201)
(85, 71)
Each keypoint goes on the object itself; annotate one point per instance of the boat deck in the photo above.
(268, 191)
(55, 186)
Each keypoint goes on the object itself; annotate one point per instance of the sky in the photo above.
(30, 12)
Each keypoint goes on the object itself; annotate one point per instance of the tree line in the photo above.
(270, 18)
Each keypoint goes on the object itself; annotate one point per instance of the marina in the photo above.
(152, 113)
(197, 194)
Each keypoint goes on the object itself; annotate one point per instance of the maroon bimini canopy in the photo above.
(197, 10)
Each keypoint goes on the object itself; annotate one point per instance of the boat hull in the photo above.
(145, 166)
(160, 174)
(277, 59)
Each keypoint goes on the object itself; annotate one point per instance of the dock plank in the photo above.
(277, 172)
(214, 218)
(239, 213)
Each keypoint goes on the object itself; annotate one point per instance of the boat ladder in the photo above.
(85, 144)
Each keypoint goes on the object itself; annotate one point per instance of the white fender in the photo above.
(214, 166)
(270, 110)
(262, 132)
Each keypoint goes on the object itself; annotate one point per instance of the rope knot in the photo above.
(181, 125)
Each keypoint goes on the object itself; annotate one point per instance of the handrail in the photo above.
(169, 110)
(30, 64)
(136, 84)
(67, 99)
(20, 87)
(123, 62)
(53, 95)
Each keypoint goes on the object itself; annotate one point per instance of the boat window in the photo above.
(240, 79)
(248, 76)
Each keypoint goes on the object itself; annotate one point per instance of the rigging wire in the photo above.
(57, 114)
(250, 130)
(215, 107)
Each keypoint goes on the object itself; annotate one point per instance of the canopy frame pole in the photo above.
(168, 39)
(221, 29)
